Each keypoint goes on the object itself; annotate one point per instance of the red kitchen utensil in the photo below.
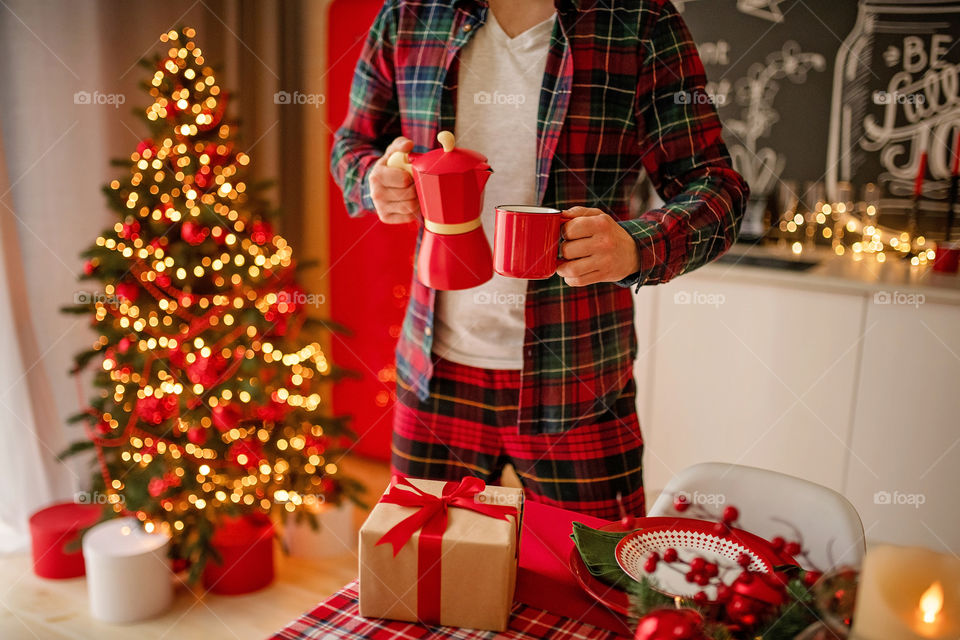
(454, 252)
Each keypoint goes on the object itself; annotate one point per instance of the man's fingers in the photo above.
(396, 217)
(580, 227)
(582, 281)
(577, 268)
(580, 212)
(573, 249)
(387, 195)
(394, 178)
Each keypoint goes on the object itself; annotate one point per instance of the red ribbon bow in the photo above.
(431, 520)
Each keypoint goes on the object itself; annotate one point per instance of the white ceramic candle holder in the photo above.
(128, 572)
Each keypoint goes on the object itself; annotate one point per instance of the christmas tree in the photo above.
(208, 404)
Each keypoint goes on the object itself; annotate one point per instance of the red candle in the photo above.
(918, 183)
(956, 156)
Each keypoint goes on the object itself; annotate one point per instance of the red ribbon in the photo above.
(430, 519)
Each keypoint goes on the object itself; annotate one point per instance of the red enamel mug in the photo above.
(526, 240)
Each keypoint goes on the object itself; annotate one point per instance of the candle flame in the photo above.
(931, 602)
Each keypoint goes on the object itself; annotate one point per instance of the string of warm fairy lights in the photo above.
(839, 222)
(194, 344)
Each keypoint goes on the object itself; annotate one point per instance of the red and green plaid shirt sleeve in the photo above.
(373, 117)
(623, 91)
(685, 157)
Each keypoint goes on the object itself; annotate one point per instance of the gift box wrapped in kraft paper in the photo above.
(441, 553)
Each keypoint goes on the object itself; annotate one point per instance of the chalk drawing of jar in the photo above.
(895, 94)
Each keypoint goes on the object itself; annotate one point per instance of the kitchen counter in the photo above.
(850, 273)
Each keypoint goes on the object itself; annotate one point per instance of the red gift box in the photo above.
(544, 579)
(51, 530)
(245, 545)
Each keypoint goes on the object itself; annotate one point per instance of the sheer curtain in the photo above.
(54, 157)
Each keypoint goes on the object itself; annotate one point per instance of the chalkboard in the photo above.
(835, 90)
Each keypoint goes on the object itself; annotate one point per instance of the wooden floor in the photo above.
(32, 608)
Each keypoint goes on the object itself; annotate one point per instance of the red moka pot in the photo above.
(454, 252)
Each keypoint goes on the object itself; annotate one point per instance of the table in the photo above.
(339, 617)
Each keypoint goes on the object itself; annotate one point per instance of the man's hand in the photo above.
(595, 249)
(392, 190)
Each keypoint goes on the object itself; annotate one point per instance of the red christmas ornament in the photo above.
(671, 624)
(261, 232)
(203, 178)
(123, 345)
(89, 267)
(320, 443)
(163, 280)
(103, 427)
(219, 235)
(127, 291)
(216, 114)
(328, 485)
(246, 453)
(226, 417)
(157, 410)
(208, 371)
(681, 503)
(145, 144)
(197, 435)
(217, 159)
(156, 486)
(130, 230)
(273, 411)
(193, 232)
(753, 596)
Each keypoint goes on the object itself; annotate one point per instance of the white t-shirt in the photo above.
(498, 98)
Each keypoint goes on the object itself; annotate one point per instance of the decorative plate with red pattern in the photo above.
(691, 538)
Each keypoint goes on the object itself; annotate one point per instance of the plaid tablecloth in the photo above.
(338, 617)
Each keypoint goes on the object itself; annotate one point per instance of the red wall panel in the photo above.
(370, 263)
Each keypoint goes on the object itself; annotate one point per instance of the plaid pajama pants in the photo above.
(468, 426)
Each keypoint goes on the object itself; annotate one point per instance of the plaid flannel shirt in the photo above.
(624, 89)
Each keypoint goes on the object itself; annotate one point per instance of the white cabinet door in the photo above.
(746, 373)
(904, 472)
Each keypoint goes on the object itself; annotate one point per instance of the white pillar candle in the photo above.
(128, 572)
(907, 593)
